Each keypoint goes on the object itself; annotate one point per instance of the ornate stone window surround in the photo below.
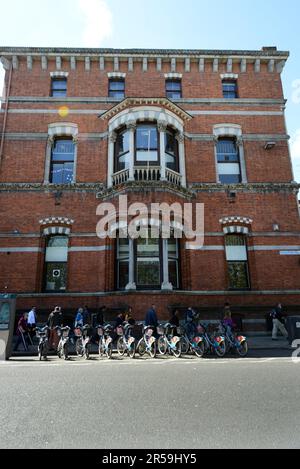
(55, 130)
(130, 118)
(231, 130)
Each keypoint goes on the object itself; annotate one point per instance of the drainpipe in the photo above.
(6, 111)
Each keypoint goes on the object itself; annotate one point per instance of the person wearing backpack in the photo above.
(278, 325)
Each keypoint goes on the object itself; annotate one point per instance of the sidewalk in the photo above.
(266, 343)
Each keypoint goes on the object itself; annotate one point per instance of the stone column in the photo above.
(166, 285)
(111, 153)
(131, 283)
(181, 151)
(131, 126)
(50, 144)
(162, 127)
(242, 160)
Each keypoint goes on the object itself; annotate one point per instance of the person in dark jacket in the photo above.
(190, 324)
(151, 319)
(174, 321)
(22, 332)
(277, 317)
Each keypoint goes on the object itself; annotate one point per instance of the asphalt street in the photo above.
(150, 403)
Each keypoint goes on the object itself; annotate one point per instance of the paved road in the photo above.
(162, 403)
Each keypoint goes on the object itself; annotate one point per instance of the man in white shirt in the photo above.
(31, 322)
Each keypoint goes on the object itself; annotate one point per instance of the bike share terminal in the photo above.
(7, 321)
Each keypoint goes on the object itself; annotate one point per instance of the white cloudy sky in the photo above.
(163, 24)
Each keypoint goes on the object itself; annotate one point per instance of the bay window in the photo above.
(147, 259)
(122, 151)
(171, 151)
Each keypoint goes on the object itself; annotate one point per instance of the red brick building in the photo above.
(83, 126)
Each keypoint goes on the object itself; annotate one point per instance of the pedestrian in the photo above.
(55, 320)
(129, 316)
(86, 316)
(21, 332)
(227, 321)
(31, 322)
(100, 317)
(79, 322)
(277, 316)
(190, 325)
(151, 319)
(174, 321)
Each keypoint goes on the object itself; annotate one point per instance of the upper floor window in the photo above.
(171, 151)
(237, 261)
(173, 89)
(230, 89)
(116, 88)
(122, 151)
(59, 87)
(228, 161)
(62, 161)
(147, 144)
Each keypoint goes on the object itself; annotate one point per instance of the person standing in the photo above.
(21, 332)
(79, 320)
(129, 317)
(55, 320)
(277, 317)
(86, 316)
(31, 322)
(151, 319)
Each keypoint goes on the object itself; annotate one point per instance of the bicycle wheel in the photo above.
(141, 347)
(177, 350)
(131, 351)
(78, 348)
(40, 353)
(185, 345)
(221, 349)
(101, 348)
(121, 346)
(152, 351)
(87, 352)
(109, 351)
(162, 345)
(242, 350)
(199, 349)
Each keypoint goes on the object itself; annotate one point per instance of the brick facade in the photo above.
(268, 197)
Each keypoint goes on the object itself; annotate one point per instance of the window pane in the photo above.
(59, 84)
(123, 274)
(123, 248)
(148, 272)
(171, 143)
(56, 276)
(230, 178)
(148, 247)
(227, 151)
(146, 138)
(238, 275)
(173, 273)
(173, 95)
(117, 85)
(62, 173)
(59, 94)
(117, 94)
(63, 150)
(173, 85)
(57, 241)
(123, 143)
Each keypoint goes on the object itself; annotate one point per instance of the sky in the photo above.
(192, 24)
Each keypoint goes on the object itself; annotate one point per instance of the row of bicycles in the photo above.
(163, 340)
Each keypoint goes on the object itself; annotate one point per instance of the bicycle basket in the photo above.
(160, 330)
(120, 330)
(77, 332)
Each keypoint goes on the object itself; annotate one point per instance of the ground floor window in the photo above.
(237, 262)
(56, 263)
(146, 257)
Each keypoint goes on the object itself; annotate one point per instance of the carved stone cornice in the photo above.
(259, 187)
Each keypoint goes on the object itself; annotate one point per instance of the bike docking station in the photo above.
(7, 322)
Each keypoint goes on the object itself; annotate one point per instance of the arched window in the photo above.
(56, 262)
(122, 149)
(229, 169)
(62, 161)
(237, 261)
